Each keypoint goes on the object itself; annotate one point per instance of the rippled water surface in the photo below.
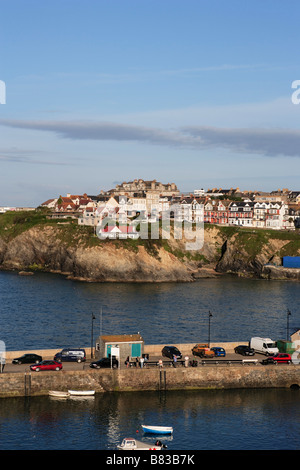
(53, 312)
(202, 420)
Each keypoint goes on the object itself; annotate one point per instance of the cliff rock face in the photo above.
(249, 254)
(226, 250)
(237, 258)
(42, 248)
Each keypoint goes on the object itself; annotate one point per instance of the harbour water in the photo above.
(202, 420)
(48, 311)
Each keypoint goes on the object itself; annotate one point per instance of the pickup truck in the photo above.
(202, 350)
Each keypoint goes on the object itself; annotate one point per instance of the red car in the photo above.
(46, 365)
(279, 358)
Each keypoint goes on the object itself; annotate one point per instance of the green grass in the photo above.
(70, 233)
(13, 224)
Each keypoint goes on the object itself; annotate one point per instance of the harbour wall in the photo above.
(135, 379)
(208, 376)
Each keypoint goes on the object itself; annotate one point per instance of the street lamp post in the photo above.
(92, 335)
(288, 314)
(209, 317)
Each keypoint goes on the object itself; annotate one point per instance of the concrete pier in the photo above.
(208, 375)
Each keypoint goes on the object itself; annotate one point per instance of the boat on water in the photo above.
(58, 394)
(130, 443)
(157, 429)
(81, 393)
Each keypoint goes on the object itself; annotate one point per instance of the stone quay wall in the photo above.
(231, 376)
(208, 376)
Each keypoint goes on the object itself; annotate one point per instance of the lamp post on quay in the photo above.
(288, 314)
(92, 335)
(209, 317)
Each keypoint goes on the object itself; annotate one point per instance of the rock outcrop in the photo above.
(70, 251)
(42, 248)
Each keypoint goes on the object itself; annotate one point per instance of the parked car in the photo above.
(27, 359)
(219, 351)
(244, 350)
(105, 362)
(280, 358)
(202, 350)
(69, 354)
(46, 365)
(170, 351)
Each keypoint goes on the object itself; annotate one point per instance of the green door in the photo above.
(136, 350)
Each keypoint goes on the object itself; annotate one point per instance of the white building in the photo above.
(241, 213)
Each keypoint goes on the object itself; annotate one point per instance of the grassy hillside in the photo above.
(253, 240)
(70, 233)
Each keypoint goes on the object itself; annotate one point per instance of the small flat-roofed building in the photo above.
(128, 345)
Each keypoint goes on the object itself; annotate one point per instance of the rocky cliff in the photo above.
(45, 248)
(76, 252)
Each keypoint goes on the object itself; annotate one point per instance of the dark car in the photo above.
(105, 362)
(70, 355)
(280, 358)
(244, 350)
(27, 359)
(219, 351)
(170, 351)
(46, 365)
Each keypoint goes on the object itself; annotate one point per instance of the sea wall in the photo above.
(130, 380)
(209, 376)
(280, 273)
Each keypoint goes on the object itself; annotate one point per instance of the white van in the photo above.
(264, 346)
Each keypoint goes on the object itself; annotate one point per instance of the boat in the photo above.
(84, 393)
(157, 429)
(130, 443)
(58, 394)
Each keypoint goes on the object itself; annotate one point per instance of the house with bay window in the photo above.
(216, 211)
(241, 213)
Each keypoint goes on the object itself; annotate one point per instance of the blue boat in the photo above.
(157, 429)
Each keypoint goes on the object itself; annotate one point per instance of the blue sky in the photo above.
(99, 92)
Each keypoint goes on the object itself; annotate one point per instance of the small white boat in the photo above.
(130, 443)
(81, 393)
(58, 394)
(158, 429)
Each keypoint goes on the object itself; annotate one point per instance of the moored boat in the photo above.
(157, 429)
(85, 393)
(58, 394)
(130, 443)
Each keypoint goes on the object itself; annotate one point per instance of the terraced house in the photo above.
(241, 213)
(216, 211)
(151, 201)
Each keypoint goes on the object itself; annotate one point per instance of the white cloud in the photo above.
(265, 141)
